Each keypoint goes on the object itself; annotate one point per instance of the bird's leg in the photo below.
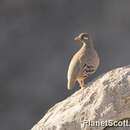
(81, 83)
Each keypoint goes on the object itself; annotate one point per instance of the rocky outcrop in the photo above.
(106, 98)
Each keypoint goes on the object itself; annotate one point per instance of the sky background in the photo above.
(36, 44)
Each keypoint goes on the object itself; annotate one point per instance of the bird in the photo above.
(84, 62)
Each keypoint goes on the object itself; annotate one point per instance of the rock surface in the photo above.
(106, 98)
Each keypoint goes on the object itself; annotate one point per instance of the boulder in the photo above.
(106, 99)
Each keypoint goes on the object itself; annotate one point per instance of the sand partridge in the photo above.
(84, 63)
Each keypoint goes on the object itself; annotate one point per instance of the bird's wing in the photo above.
(73, 71)
(88, 66)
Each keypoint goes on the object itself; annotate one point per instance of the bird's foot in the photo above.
(83, 87)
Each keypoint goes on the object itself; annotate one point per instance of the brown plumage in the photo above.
(84, 63)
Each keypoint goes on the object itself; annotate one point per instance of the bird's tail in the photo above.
(71, 84)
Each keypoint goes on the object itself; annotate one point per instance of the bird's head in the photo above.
(82, 38)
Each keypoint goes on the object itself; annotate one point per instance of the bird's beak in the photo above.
(77, 39)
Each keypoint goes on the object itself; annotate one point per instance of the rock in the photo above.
(106, 98)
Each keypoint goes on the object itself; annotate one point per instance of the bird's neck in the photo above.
(87, 45)
(84, 44)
